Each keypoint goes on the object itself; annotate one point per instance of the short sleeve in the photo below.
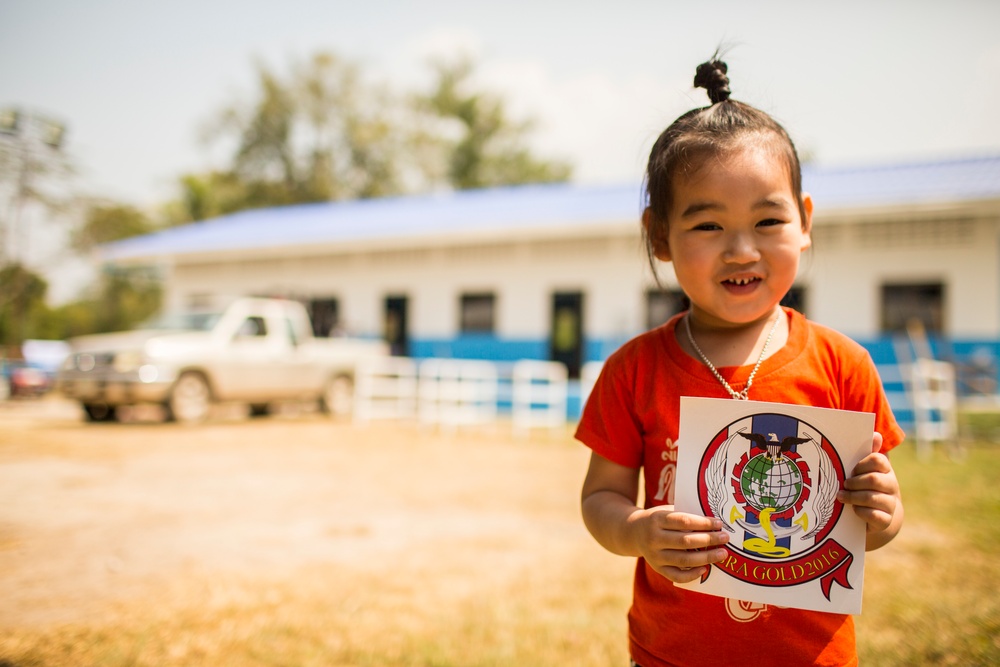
(867, 394)
(609, 425)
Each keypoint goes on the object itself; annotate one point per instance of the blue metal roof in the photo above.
(509, 210)
(912, 183)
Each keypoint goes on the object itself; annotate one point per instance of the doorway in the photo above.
(566, 334)
(395, 327)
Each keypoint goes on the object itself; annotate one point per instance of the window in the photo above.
(476, 313)
(661, 305)
(796, 299)
(325, 316)
(920, 302)
(252, 327)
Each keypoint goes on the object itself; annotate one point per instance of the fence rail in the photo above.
(455, 393)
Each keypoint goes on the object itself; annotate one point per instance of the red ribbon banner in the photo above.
(829, 563)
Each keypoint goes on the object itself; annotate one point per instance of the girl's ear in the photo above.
(655, 234)
(807, 222)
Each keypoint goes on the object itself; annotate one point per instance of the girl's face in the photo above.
(734, 235)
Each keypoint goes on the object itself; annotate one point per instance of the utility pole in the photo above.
(31, 158)
(30, 148)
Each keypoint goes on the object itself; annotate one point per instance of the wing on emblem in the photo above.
(826, 493)
(717, 493)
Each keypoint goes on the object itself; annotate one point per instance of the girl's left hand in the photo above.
(873, 490)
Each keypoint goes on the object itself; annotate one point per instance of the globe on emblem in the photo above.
(771, 482)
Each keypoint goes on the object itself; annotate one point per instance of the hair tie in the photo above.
(712, 77)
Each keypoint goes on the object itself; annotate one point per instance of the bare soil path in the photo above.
(97, 518)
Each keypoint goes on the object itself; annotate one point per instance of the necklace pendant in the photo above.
(745, 394)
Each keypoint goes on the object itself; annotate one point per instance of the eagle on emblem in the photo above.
(771, 445)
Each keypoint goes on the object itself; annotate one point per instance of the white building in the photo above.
(559, 271)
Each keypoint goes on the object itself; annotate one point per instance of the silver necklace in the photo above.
(738, 395)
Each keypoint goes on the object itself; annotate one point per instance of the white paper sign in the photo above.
(771, 472)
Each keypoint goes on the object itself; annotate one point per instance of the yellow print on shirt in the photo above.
(742, 611)
(665, 489)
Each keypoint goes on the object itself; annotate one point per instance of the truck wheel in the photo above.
(99, 412)
(338, 396)
(190, 399)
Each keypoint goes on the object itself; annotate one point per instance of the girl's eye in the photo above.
(707, 226)
(770, 222)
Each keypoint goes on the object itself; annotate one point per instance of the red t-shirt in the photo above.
(631, 418)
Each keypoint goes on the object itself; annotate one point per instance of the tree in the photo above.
(121, 297)
(353, 141)
(126, 297)
(33, 171)
(23, 297)
(323, 133)
(119, 300)
(487, 148)
(107, 221)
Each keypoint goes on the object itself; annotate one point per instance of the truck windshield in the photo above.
(201, 321)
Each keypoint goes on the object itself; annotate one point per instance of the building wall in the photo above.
(850, 261)
(852, 256)
(610, 271)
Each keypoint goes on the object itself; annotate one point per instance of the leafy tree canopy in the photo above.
(322, 131)
(22, 296)
(325, 132)
(489, 149)
(105, 222)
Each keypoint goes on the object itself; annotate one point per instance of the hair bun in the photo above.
(712, 77)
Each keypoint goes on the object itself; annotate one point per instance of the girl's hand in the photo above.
(873, 491)
(677, 545)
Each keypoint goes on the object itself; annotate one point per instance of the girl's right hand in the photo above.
(677, 545)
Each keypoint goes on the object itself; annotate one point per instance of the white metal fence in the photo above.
(540, 393)
(385, 389)
(454, 393)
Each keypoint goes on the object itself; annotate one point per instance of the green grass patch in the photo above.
(931, 595)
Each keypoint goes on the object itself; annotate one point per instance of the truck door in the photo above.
(302, 373)
(247, 363)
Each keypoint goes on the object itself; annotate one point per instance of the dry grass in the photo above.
(298, 542)
(323, 618)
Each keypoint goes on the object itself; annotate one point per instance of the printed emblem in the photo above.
(773, 479)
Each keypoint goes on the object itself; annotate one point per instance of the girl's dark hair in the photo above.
(708, 132)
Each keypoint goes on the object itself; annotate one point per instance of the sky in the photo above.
(855, 82)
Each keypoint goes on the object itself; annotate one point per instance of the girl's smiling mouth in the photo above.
(741, 284)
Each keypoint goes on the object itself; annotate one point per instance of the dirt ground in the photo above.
(99, 517)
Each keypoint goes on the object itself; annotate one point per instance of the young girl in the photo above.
(725, 206)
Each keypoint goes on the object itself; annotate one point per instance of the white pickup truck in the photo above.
(257, 351)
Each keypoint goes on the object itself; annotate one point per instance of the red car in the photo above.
(28, 380)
